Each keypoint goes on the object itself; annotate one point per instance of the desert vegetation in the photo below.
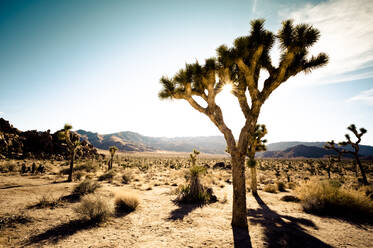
(185, 189)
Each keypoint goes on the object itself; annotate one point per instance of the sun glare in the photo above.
(227, 88)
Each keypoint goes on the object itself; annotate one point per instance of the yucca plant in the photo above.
(240, 67)
(72, 147)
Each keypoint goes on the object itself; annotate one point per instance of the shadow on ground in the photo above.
(283, 230)
(183, 210)
(241, 237)
(61, 231)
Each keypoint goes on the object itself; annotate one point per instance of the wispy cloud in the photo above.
(364, 96)
(254, 6)
(346, 36)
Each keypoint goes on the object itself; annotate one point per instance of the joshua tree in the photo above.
(240, 66)
(72, 147)
(193, 157)
(355, 146)
(112, 151)
(258, 145)
(333, 159)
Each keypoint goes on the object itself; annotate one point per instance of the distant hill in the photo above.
(306, 149)
(131, 141)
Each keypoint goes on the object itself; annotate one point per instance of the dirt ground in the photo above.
(158, 222)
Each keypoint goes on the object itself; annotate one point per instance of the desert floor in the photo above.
(159, 222)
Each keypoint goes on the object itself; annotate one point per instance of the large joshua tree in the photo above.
(240, 66)
(72, 147)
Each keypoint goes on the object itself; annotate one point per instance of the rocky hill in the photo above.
(35, 144)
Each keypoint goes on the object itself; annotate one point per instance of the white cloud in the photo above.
(364, 96)
(346, 36)
(254, 6)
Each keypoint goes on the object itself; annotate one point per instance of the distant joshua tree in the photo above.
(193, 157)
(355, 146)
(240, 67)
(257, 146)
(332, 158)
(112, 151)
(72, 147)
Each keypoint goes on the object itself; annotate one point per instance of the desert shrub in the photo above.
(8, 167)
(290, 198)
(291, 185)
(87, 166)
(78, 175)
(281, 186)
(194, 191)
(326, 197)
(85, 187)
(108, 176)
(367, 190)
(126, 202)
(270, 188)
(126, 177)
(47, 201)
(9, 220)
(94, 208)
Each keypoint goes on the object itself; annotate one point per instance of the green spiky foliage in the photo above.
(257, 146)
(112, 150)
(240, 66)
(72, 147)
(355, 145)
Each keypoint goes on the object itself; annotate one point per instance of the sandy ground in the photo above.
(158, 222)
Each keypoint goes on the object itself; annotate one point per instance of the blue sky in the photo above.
(97, 65)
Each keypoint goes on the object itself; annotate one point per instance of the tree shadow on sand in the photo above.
(241, 237)
(283, 230)
(61, 231)
(183, 210)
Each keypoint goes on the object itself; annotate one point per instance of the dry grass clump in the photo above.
(270, 188)
(94, 208)
(108, 176)
(126, 177)
(290, 198)
(325, 197)
(126, 201)
(281, 186)
(47, 201)
(86, 187)
(10, 220)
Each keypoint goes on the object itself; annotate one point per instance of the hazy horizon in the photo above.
(97, 65)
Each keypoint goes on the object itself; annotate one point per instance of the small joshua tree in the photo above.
(240, 66)
(193, 157)
(356, 147)
(112, 151)
(72, 147)
(257, 146)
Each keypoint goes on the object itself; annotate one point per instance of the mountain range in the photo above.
(131, 141)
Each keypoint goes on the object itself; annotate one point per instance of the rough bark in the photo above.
(365, 181)
(239, 211)
(253, 185)
(70, 178)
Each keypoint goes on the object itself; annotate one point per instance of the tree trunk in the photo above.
(70, 178)
(254, 189)
(239, 212)
(365, 181)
